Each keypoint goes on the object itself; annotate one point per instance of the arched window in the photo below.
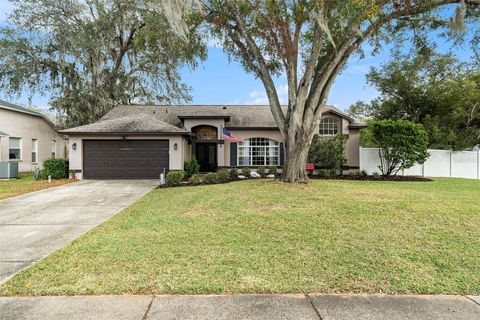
(258, 152)
(329, 126)
(204, 132)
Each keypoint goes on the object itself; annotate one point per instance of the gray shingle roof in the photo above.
(158, 119)
(129, 123)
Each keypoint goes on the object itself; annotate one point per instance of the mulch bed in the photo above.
(344, 177)
(377, 178)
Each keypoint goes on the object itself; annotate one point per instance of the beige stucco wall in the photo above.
(352, 149)
(188, 124)
(28, 127)
(176, 157)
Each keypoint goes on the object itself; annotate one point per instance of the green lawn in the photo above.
(24, 184)
(265, 236)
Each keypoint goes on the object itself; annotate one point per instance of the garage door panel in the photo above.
(119, 159)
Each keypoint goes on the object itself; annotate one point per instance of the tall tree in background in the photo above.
(90, 55)
(435, 90)
(310, 42)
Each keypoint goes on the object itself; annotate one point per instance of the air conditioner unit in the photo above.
(8, 170)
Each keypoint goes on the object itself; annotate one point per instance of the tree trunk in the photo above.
(295, 161)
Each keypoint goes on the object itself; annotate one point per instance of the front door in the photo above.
(207, 156)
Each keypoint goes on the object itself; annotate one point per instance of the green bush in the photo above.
(327, 172)
(223, 175)
(272, 170)
(246, 171)
(191, 167)
(57, 168)
(211, 177)
(355, 173)
(401, 144)
(262, 171)
(195, 179)
(233, 173)
(328, 152)
(174, 177)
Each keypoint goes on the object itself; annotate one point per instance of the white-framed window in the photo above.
(329, 126)
(34, 150)
(54, 149)
(15, 148)
(258, 152)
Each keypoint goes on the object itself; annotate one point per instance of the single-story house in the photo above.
(133, 141)
(27, 137)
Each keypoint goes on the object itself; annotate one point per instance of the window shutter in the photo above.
(233, 154)
(282, 154)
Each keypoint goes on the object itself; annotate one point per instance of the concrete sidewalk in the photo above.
(292, 306)
(36, 224)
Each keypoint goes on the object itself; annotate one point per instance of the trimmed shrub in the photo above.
(223, 175)
(211, 177)
(272, 170)
(328, 172)
(174, 177)
(262, 171)
(57, 168)
(328, 152)
(191, 167)
(233, 173)
(195, 179)
(324, 173)
(355, 173)
(246, 172)
(401, 144)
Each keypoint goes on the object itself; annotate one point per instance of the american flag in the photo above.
(227, 135)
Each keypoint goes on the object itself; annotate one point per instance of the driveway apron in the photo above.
(36, 224)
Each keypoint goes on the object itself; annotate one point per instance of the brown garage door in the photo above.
(124, 159)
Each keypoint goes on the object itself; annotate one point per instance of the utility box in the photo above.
(8, 170)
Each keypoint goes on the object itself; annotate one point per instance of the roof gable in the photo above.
(13, 107)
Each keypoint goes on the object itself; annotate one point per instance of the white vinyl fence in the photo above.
(441, 163)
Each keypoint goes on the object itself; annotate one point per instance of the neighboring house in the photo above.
(144, 141)
(27, 137)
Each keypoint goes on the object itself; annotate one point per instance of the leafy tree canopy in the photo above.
(435, 90)
(401, 144)
(311, 41)
(91, 55)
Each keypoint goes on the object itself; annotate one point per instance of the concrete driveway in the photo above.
(36, 224)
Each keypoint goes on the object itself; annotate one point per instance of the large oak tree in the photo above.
(91, 55)
(310, 42)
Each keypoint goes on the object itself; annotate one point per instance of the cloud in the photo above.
(260, 97)
(359, 69)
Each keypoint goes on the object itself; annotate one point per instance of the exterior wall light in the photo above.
(175, 146)
(74, 146)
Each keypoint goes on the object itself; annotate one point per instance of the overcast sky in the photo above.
(218, 81)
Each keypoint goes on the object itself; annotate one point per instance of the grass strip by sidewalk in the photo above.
(25, 184)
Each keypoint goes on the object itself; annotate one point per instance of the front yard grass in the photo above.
(25, 184)
(267, 237)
